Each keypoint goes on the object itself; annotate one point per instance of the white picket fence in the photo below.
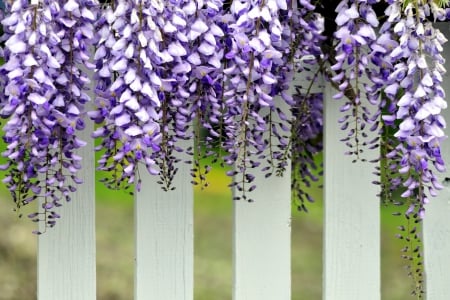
(261, 240)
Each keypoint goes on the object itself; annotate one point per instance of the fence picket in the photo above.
(66, 253)
(262, 232)
(436, 232)
(436, 227)
(262, 240)
(164, 238)
(351, 218)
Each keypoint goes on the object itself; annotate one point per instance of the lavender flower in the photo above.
(415, 98)
(304, 31)
(356, 22)
(253, 62)
(408, 84)
(128, 90)
(206, 32)
(47, 45)
(307, 143)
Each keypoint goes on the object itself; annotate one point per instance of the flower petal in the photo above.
(133, 130)
(36, 98)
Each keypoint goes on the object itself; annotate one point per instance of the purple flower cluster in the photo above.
(129, 89)
(305, 28)
(206, 33)
(409, 50)
(261, 59)
(219, 73)
(307, 130)
(404, 66)
(159, 69)
(46, 53)
(356, 21)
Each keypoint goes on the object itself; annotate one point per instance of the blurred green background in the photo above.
(213, 248)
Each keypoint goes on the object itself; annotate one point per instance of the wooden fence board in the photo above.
(66, 253)
(262, 240)
(436, 227)
(164, 239)
(351, 218)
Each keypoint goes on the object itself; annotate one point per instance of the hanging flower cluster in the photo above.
(356, 21)
(47, 43)
(414, 100)
(414, 86)
(219, 72)
(128, 89)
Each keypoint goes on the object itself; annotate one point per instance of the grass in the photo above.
(213, 249)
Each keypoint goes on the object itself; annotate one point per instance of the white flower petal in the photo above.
(420, 92)
(73, 109)
(71, 5)
(199, 26)
(29, 61)
(422, 113)
(36, 98)
(215, 61)
(155, 79)
(265, 14)
(282, 4)
(422, 63)
(142, 115)
(120, 65)
(407, 125)
(129, 169)
(147, 90)
(104, 72)
(169, 28)
(59, 101)
(206, 49)
(176, 49)
(136, 85)
(122, 120)
(119, 45)
(129, 52)
(116, 110)
(352, 12)
(133, 130)
(269, 79)
(87, 14)
(257, 45)
(100, 52)
(190, 8)
(39, 74)
(142, 39)
(130, 76)
(177, 20)
(126, 95)
(439, 102)
(405, 100)
(16, 46)
(434, 130)
(254, 13)
(132, 104)
(216, 30)
(427, 80)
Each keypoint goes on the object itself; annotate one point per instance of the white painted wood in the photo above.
(436, 225)
(351, 218)
(164, 238)
(262, 240)
(66, 253)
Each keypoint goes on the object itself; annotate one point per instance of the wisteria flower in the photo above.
(46, 53)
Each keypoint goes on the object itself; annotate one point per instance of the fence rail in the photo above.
(164, 235)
